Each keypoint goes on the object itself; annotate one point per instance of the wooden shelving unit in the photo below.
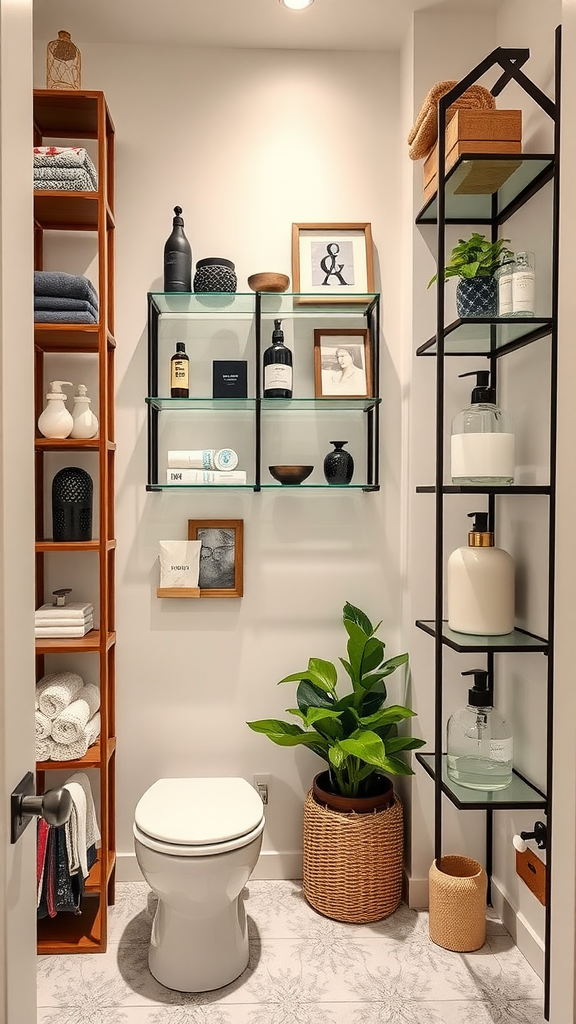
(74, 117)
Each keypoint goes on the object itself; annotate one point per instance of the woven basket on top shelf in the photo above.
(458, 904)
(352, 867)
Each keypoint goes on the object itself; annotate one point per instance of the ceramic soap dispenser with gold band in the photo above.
(480, 584)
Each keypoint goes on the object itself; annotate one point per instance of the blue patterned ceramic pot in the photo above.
(477, 296)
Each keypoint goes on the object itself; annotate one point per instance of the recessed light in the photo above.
(296, 5)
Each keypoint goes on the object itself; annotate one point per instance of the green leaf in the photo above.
(373, 656)
(367, 746)
(324, 670)
(394, 766)
(314, 715)
(336, 756)
(344, 702)
(285, 734)
(372, 702)
(310, 696)
(395, 713)
(469, 270)
(396, 743)
(313, 677)
(352, 614)
(347, 666)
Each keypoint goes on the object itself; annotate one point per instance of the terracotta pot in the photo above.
(382, 798)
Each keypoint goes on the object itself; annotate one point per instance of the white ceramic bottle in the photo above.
(479, 741)
(85, 422)
(482, 442)
(523, 285)
(56, 420)
(480, 584)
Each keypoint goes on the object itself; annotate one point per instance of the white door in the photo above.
(17, 862)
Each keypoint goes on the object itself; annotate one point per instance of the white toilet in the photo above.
(197, 842)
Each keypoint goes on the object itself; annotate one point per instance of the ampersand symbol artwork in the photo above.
(329, 265)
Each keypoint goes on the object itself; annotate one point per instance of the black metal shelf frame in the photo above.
(510, 62)
(370, 410)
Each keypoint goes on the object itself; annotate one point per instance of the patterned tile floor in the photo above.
(304, 969)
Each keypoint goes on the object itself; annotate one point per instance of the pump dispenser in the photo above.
(85, 422)
(177, 257)
(277, 366)
(56, 420)
(482, 443)
(480, 584)
(479, 742)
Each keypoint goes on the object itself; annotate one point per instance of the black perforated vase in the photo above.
(72, 491)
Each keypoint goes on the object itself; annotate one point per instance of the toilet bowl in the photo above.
(197, 842)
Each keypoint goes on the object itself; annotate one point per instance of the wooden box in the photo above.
(476, 131)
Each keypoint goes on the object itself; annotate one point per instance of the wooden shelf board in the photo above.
(62, 113)
(92, 759)
(58, 210)
(178, 592)
(71, 933)
(66, 444)
(69, 545)
(66, 337)
(65, 645)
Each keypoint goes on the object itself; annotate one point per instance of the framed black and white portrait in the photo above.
(342, 363)
(332, 262)
(221, 556)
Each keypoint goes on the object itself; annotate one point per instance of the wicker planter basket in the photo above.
(458, 904)
(352, 869)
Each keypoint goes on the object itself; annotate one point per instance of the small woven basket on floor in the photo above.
(458, 904)
(352, 867)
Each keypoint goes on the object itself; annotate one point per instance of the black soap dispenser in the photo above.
(277, 366)
(177, 258)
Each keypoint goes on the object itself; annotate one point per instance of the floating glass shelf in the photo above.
(199, 487)
(519, 794)
(478, 489)
(205, 304)
(319, 404)
(321, 487)
(200, 404)
(529, 172)
(242, 305)
(472, 336)
(517, 640)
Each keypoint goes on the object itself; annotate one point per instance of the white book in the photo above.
(205, 476)
(73, 610)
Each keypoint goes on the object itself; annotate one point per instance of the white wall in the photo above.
(247, 142)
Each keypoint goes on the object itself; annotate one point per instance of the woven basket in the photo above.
(352, 868)
(458, 904)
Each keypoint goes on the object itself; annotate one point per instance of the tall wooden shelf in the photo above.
(74, 117)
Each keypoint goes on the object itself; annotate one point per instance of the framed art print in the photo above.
(342, 363)
(221, 556)
(332, 262)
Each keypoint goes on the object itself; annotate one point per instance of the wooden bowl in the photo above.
(290, 474)
(268, 282)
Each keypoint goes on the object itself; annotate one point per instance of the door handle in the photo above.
(55, 806)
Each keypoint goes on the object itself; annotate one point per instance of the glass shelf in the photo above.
(242, 305)
(205, 304)
(302, 305)
(478, 489)
(517, 640)
(199, 487)
(321, 487)
(319, 404)
(530, 172)
(471, 336)
(519, 794)
(202, 404)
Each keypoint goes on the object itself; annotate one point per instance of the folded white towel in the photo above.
(43, 748)
(93, 837)
(74, 610)
(64, 631)
(76, 623)
(70, 724)
(56, 691)
(75, 830)
(43, 726)
(74, 751)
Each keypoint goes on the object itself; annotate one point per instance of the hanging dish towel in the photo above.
(92, 831)
(70, 724)
(425, 130)
(56, 691)
(75, 830)
(41, 846)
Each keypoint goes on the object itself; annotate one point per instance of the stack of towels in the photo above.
(66, 853)
(61, 298)
(69, 620)
(64, 169)
(67, 717)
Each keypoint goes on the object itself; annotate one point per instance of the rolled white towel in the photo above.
(43, 749)
(43, 726)
(56, 691)
(70, 724)
(74, 751)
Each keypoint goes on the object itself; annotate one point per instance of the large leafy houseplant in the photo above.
(354, 733)
(475, 257)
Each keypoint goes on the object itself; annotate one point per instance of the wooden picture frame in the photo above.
(342, 363)
(332, 262)
(222, 569)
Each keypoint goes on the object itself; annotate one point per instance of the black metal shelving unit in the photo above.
(492, 338)
(261, 308)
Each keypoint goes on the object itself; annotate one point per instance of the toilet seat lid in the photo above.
(199, 812)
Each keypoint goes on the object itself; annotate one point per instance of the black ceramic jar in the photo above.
(215, 274)
(72, 490)
(338, 465)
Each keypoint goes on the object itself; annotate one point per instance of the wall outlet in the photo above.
(262, 785)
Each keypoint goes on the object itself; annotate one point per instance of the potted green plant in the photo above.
(476, 261)
(353, 799)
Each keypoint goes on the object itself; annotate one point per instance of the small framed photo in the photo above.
(342, 363)
(221, 556)
(332, 262)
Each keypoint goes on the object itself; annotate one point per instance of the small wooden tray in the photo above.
(178, 592)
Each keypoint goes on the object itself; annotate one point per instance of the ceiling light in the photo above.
(296, 5)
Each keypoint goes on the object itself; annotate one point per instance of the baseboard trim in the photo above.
(416, 892)
(271, 865)
(528, 941)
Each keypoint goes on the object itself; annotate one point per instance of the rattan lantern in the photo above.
(63, 63)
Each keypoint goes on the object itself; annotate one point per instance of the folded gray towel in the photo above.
(62, 316)
(70, 286)
(47, 302)
(69, 157)
(64, 173)
(81, 182)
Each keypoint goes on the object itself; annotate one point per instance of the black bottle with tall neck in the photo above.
(277, 366)
(177, 258)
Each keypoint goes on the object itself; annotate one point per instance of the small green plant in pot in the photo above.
(354, 733)
(475, 261)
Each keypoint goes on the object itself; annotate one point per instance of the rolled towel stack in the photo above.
(70, 620)
(61, 298)
(64, 169)
(71, 710)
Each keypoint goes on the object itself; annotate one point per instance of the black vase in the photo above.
(338, 465)
(72, 505)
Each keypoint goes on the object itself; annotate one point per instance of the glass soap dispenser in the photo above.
(482, 442)
(479, 741)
